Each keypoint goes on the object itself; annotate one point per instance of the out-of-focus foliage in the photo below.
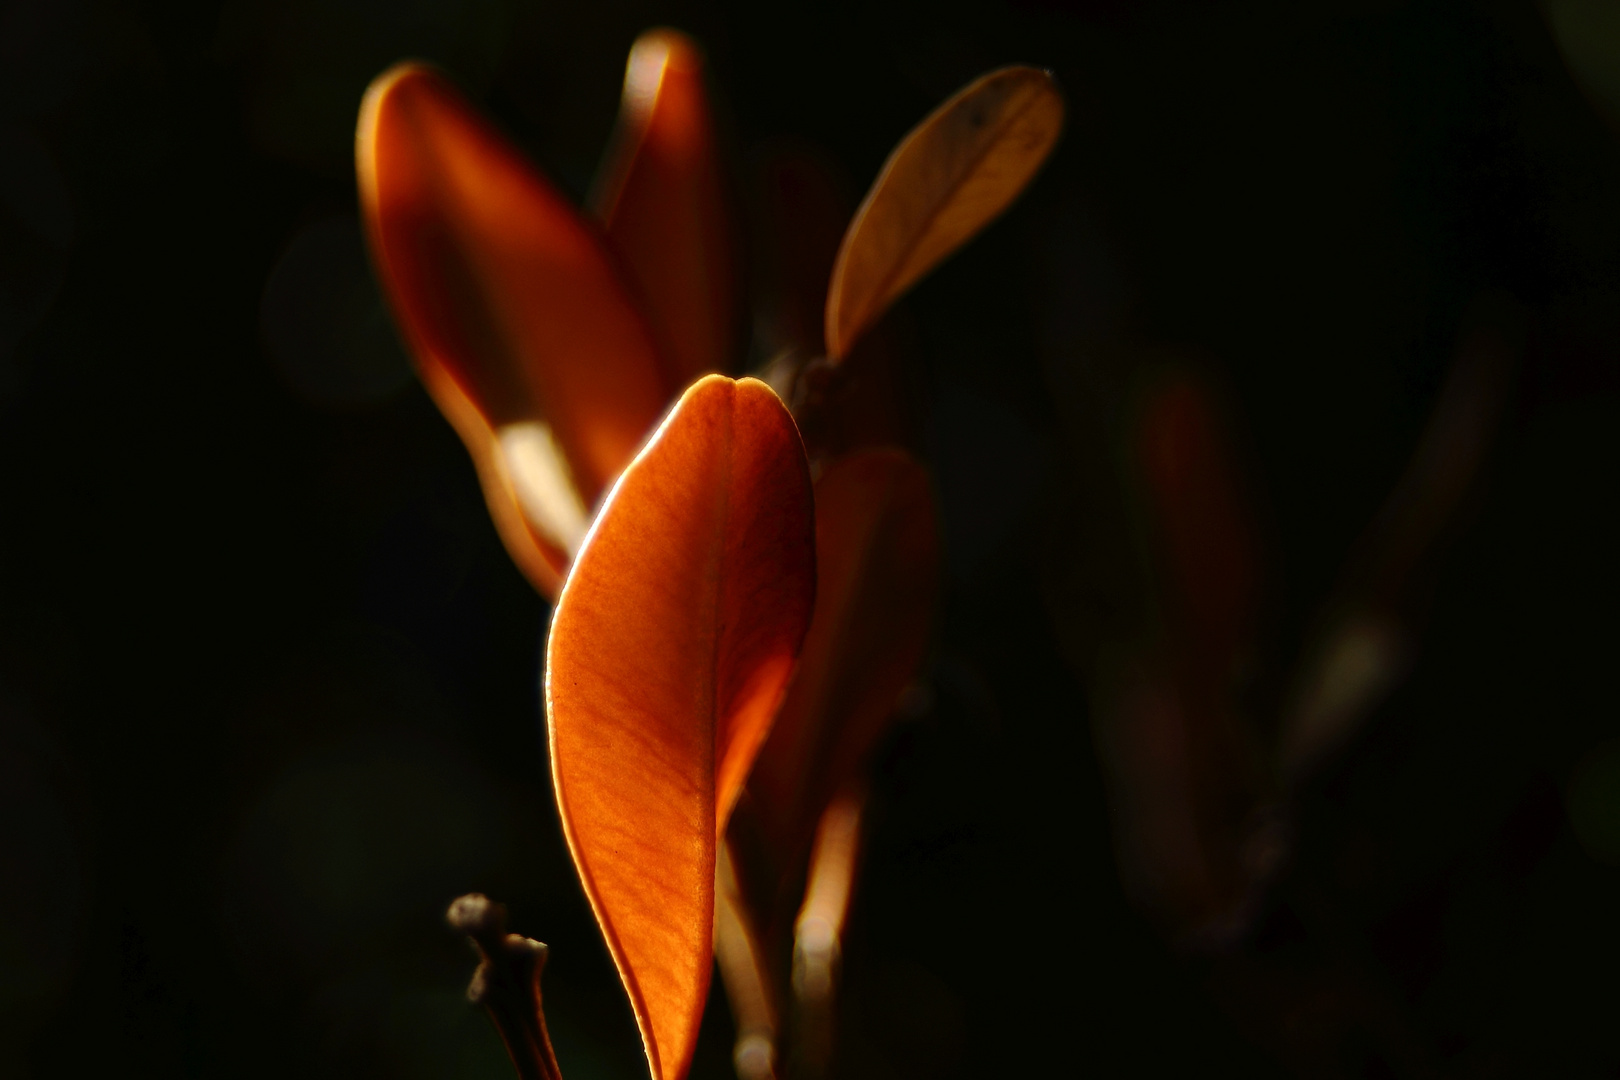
(544, 344)
(235, 610)
(1588, 34)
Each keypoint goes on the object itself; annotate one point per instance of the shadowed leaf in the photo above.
(1204, 535)
(670, 649)
(512, 308)
(869, 400)
(877, 554)
(946, 180)
(1193, 755)
(663, 201)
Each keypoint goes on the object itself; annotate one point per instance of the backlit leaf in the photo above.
(946, 180)
(670, 650)
(663, 201)
(512, 309)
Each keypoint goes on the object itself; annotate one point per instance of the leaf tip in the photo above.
(384, 91)
(656, 53)
(951, 175)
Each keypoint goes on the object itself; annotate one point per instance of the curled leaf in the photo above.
(670, 649)
(512, 308)
(877, 556)
(946, 180)
(527, 487)
(663, 201)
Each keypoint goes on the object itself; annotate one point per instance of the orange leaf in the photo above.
(512, 307)
(662, 198)
(670, 649)
(946, 180)
(877, 565)
(536, 511)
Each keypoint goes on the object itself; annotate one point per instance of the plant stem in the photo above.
(819, 930)
(746, 977)
(507, 984)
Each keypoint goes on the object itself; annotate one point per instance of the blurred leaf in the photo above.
(946, 180)
(877, 563)
(520, 326)
(670, 650)
(662, 198)
(1588, 34)
(1185, 755)
(1368, 639)
(1203, 530)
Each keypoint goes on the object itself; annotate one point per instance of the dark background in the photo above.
(268, 683)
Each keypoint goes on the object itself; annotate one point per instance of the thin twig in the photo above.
(507, 984)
